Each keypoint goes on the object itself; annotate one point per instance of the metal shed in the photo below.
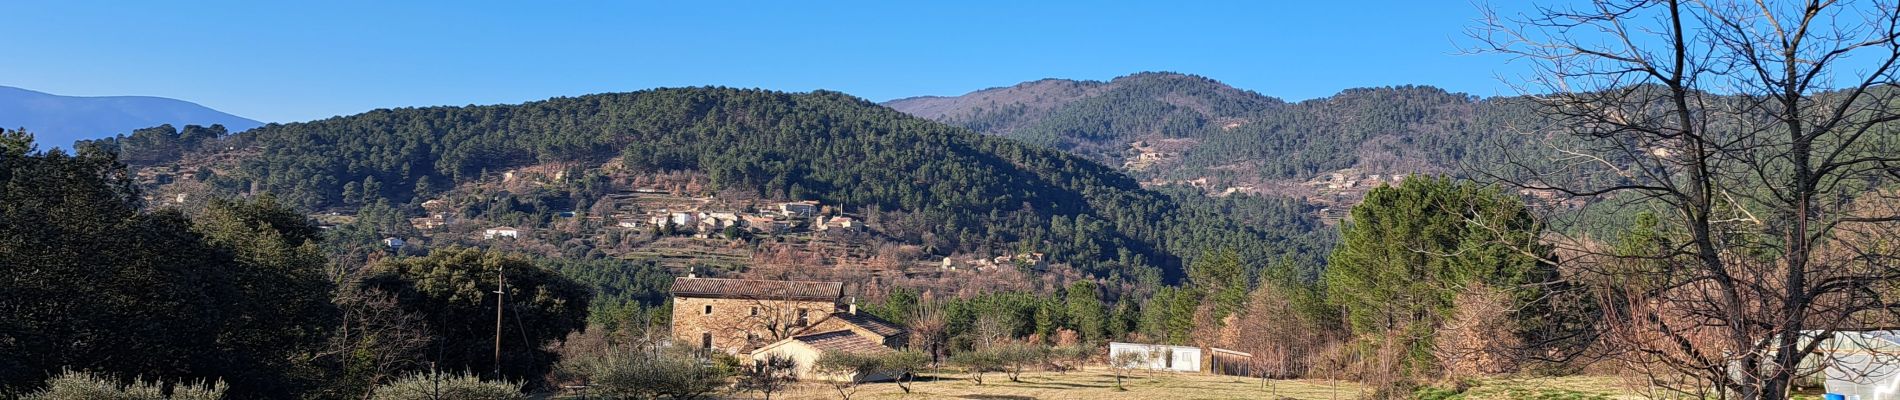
(1230, 362)
(1160, 356)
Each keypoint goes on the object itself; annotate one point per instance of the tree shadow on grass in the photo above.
(1060, 385)
(934, 378)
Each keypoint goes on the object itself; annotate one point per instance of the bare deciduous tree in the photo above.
(1123, 363)
(1750, 130)
(376, 338)
(1471, 342)
(927, 327)
(768, 375)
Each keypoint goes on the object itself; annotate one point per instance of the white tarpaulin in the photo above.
(1862, 365)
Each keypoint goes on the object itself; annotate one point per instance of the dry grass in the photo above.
(1097, 383)
(1585, 387)
(1093, 384)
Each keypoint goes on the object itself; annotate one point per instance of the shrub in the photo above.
(1017, 356)
(977, 362)
(71, 385)
(904, 366)
(852, 366)
(447, 386)
(768, 376)
(1125, 362)
(1068, 358)
(674, 373)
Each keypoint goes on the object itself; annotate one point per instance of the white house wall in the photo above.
(1161, 357)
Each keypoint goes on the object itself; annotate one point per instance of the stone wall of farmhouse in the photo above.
(736, 325)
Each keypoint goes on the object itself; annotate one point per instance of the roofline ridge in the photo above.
(758, 280)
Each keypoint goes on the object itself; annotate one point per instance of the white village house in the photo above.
(798, 208)
(841, 223)
(501, 232)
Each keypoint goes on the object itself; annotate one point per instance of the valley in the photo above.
(540, 201)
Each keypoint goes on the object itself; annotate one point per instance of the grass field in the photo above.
(1099, 384)
(1091, 384)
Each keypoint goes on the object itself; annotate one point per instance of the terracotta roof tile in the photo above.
(843, 341)
(870, 323)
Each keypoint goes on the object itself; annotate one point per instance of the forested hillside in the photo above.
(1175, 128)
(952, 190)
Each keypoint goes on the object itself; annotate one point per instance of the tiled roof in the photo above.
(870, 323)
(842, 341)
(757, 289)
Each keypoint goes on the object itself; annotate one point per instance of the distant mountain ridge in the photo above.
(58, 121)
(1171, 128)
(1004, 110)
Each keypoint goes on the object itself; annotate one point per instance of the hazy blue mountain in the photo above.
(58, 121)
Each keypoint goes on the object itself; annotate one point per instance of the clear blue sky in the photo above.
(294, 61)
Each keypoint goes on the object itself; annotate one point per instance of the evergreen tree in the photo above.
(1087, 315)
(1408, 250)
(95, 284)
(453, 289)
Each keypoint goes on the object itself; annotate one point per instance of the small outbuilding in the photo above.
(501, 232)
(1160, 357)
(805, 350)
(1230, 362)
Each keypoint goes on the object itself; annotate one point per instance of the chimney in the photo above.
(854, 308)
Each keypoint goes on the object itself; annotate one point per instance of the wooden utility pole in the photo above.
(501, 281)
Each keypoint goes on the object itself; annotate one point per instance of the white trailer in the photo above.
(1160, 357)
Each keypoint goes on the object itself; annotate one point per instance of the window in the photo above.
(705, 340)
(708, 309)
(801, 318)
(755, 311)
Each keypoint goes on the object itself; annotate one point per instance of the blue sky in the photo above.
(294, 61)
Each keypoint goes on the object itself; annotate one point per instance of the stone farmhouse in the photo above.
(802, 320)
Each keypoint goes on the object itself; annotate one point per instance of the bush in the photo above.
(977, 362)
(769, 375)
(1016, 356)
(669, 372)
(71, 385)
(853, 367)
(447, 386)
(1125, 362)
(904, 366)
(1068, 358)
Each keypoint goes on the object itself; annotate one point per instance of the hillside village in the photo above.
(668, 219)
